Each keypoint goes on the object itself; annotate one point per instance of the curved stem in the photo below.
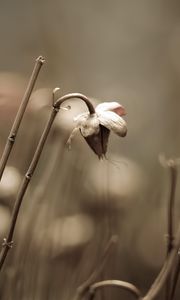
(114, 283)
(82, 289)
(12, 136)
(157, 284)
(165, 271)
(59, 101)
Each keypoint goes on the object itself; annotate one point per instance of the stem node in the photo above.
(40, 59)
(7, 244)
(11, 138)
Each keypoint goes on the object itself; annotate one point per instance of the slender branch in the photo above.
(7, 243)
(75, 95)
(82, 289)
(13, 133)
(170, 218)
(114, 283)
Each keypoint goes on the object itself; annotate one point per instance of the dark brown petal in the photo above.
(98, 142)
(104, 138)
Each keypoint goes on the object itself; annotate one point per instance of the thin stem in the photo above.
(173, 174)
(115, 283)
(170, 218)
(75, 95)
(175, 277)
(7, 244)
(84, 287)
(165, 271)
(8, 241)
(157, 284)
(13, 133)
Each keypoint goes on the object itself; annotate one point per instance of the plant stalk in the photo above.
(165, 271)
(82, 289)
(114, 283)
(170, 220)
(14, 130)
(7, 243)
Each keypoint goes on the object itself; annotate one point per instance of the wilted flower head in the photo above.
(95, 128)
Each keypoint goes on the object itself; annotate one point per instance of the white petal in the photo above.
(88, 124)
(80, 117)
(113, 122)
(111, 106)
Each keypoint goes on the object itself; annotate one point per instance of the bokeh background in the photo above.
(127, 51)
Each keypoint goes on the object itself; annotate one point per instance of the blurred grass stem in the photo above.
(170, 220)
(157, 284)
(85, 286)
(167, 268)
(175, 277)
(114, 283)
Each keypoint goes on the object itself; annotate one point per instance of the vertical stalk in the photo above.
(175, 277)
(13, 133)
(170, 220)
(7, 244)
(170, 217)
(167, 268)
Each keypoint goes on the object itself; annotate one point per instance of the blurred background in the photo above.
(125, 51)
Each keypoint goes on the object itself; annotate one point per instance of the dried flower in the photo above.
(95, 128)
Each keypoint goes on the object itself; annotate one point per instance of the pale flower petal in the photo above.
(88, 124)
(113, 122)
(111, 106)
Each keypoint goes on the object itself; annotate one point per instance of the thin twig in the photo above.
(13, 133)
(114, 283)
(170, 219)
(7, 243)
(85, 286)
